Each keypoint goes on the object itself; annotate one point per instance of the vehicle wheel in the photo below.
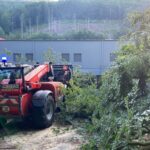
(1, 126)
(2, 122)
(27, 121)
(43, 116)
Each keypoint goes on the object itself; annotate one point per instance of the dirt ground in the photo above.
(56, 137)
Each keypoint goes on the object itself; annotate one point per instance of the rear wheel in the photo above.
(27, 121)
(2, 122)
(43, 116)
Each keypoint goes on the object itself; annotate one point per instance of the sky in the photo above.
(46, 0)
(33, 0)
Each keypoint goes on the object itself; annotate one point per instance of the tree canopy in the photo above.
(16, 15)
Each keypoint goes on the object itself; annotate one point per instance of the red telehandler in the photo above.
(31, 92)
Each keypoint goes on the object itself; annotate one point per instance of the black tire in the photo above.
(27, 121)
(1, 126)
(3, 121)
(43, 116)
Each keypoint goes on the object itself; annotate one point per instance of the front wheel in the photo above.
(43, 116)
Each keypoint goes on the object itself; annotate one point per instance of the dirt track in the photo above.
(56, 137)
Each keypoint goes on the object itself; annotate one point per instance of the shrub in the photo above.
(81, 98)
(42, 36)
(84, 35)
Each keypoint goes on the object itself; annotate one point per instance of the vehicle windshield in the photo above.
(10, 73)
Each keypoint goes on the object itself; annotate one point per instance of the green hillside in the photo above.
(25, 19)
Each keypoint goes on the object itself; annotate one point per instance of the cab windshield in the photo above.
(10, 73)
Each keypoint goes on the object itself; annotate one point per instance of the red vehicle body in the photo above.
(31, 95)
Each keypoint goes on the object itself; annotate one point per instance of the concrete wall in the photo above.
(95, 54)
